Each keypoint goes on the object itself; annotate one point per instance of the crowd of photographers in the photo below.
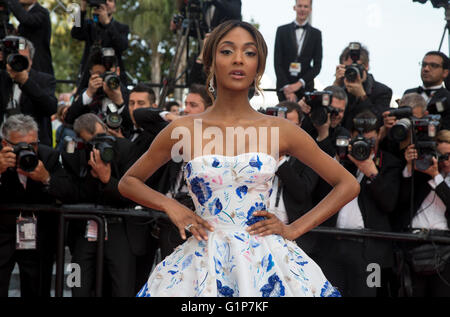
(399, 155)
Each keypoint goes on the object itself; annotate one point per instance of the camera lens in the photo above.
(113, 120)
(351, 73)
(27, 160)
(399, 132)
(361, 150)
(17, 62)
(112, 81)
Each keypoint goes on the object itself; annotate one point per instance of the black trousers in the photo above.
(35, 266)
(144, 263)
(28, 261)
(119, 263)
(345, 266)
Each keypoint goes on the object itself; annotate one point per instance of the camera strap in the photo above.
(26, 232)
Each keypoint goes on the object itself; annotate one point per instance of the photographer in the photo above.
(101, 31)
(364, 92)
(429, 211)
(344, 259)
(106, 95)
(26, 171)
(35, 26)
(434, 71)
(297, 46)
(323, 117)
(25, 90)
(412, 105)
(96, 170)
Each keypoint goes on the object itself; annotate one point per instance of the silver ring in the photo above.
(188, 227)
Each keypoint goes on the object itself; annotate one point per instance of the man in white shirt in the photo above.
(430, 208)
(345, 260)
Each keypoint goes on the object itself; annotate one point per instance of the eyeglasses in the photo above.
(432, 65)
(33, 144)
(443, 157)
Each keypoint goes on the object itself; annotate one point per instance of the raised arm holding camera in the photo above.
(35, 26)
(101, 31)
(364, 92)
(25, 90)
(106, 95)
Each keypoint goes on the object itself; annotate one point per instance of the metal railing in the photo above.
(97, 212)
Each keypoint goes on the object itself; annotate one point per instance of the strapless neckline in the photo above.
(232, 156)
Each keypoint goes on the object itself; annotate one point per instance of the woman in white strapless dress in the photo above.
(237, 248)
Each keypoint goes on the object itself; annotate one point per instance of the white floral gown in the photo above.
(226, 190)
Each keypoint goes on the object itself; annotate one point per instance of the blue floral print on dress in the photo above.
(224, 290)
(252, 219)
(274, 287)
(241, 191)
(201, 190)
(329, 291)
(255, 162)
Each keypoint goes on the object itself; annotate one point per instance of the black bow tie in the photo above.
(428, 92)
(300, 26)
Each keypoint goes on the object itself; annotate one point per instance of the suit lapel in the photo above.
(294, 37)
(305, 39)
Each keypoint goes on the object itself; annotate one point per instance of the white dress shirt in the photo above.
(431, 213)
(350, 216)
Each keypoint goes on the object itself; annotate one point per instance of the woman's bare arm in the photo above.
(133, 187)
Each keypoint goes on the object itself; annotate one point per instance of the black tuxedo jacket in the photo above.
(75, 188)
(286, 52)
(37, 100)
(12, 191)
(298, 183)
(114, 35)
(377, 200)
(35, 26)
(378, 100)
(441, 95)
(421, 191)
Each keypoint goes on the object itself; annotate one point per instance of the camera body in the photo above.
(10, 49)
(102, 142)
(111, 79)
(320, 103)
(274, 111)
(362, 146)
(400, 130)
(26, 158)
(96, 3)
(354, 70)
(424, 131)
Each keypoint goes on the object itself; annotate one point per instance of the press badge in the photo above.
(295, 69)
(26, 233)
(440, 106)
(92, 231)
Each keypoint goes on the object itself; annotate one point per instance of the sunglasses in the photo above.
(33, 144)
(443, 157)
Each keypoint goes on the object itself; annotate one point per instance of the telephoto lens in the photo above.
(27, 159)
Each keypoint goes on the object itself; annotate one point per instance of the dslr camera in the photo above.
(109, 60)
(10, 47)
(361, 146)
(400, 130)
(424, 131)
(320, 103)
(102, 142)
(96, 3)
(26, 158)
(274, 111)
(113, 119)
(353, 70)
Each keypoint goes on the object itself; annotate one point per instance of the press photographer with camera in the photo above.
(428, 210)
(25, 90)
(106, 95)
(27, 169)
(35, 26)
(434, 71)
(364, 92)
(102, 30)
(395, 134)
(96, 162)
(345, 259)
(324, 111)
(298, 45)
